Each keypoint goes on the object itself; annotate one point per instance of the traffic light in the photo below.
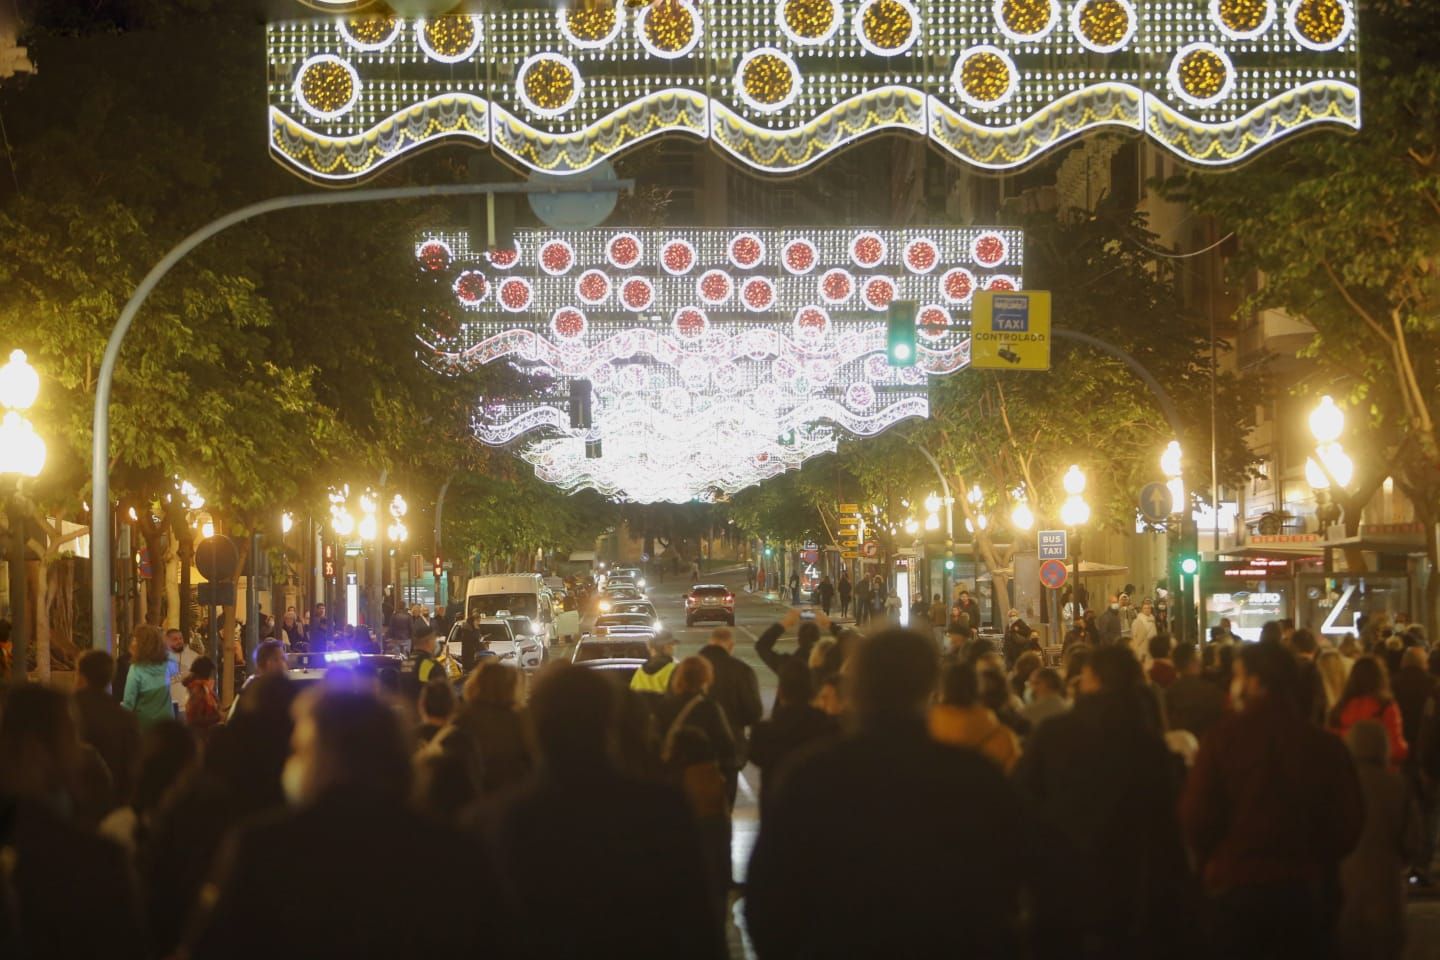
(581, 414)
(439, 568)
(900, 333)
(769, 551)
(1189, 564)
(949, 564)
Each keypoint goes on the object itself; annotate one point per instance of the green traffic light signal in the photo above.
(1189, 564)
(769, 552)
(949, 565)
(900, 333)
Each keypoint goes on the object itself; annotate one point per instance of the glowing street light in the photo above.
(1327, 421)
(1170, 466)
(1022, 518)
(1073, 481)
(287, 522)
(22, 452)
(19, 383)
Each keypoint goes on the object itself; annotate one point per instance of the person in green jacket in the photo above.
(147, 685)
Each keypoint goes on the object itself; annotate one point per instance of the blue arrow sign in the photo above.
(1156, 504)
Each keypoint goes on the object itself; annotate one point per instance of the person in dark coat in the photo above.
(689, 705)
(862, 600)
(965, 605)
(843, 590)
(492, 722)
(794, 723)
(1104, 786)
(108, 727)
(825, 593)
(820, 887)
(1192, 702)
(1311, 691)
(1271, 807)
(349, 774)
(625, 869)
(807, 634)
(47, 853)
(736, 690)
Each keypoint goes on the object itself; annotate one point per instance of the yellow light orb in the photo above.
(1025, 18)
(1202, 74)
(669, 26)
(767, 79)
(450, 36)
(809, 19)
(985, 77)
(887, 24)
(326, 86)
(1320, 21)
(1243, 16)
(549, 83)
(370, 31)
(1073, 481)
(591, 23)
(1104, 23)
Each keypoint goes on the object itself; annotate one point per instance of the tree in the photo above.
(1344, 232)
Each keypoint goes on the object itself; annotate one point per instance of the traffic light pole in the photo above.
(101, 547)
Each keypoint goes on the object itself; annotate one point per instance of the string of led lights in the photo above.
(778, 84)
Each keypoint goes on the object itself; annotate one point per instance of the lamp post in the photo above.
(22, 454)
(1074, 513)
(1331, 467)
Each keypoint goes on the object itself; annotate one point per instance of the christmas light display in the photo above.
(779, 84)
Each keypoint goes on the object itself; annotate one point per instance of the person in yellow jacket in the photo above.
(962, 720)
(653, 678)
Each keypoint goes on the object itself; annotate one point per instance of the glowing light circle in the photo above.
(887, 19)
(425, 28)
(471, 288)
(354, 33)
(1199, 63)
(758, 294)
(837, 285)
(568, 323)
(592, 287)
(821, 16)
(503, 259)
(989, 249)
(921, 255)
(637, 293)
(1103, 26)
(957, 285)
(1321, 15)
(434, 254)
(672, 32)
(677, 257)
(985, 77)
(326, 75)
(799, 256)
(624, 250)
(690, 323)
(765, 68)
(556, 257)
(593, 20)
(1008, 11)
(878, 292)
(1000, 281)
(1256, 15)
(860, 396)
(867, 249)
(559, 70)
(811, 323)
(746, 250)
(714, 287)
(933, 321)
(515, 294)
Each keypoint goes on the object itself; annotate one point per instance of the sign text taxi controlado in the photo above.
(1010, 330)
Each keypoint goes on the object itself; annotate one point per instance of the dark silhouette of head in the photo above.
(352, 742)
(95, 669)
(167, 753)
(573, 712)
(39, 746)
(794, 683)
(960, 686)
(895, 674)
(808, 634)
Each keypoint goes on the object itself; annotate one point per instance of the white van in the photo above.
(514, 595)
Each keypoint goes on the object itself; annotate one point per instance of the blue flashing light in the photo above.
(342, 656)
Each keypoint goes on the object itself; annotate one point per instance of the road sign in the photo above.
(871, 548)
(417, 566)
(1053, 574)
(850, 555)
(849, 508)
(217, 559)
(1156, 504)
(1052, 544)
(1010, 330)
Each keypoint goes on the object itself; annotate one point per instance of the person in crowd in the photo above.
(420, 666)
(1083, 632)
(1142, 628)
(1312, 703)
(1416, 692)
(1023, 668)
(1128, 612)
(843, 591)
(794, 722)
(1161, 672)
(1220, 667)
(169, 751)
(1045, 697)
(398, 631)
(689, 705)
(1104, 786)
(1367, 697)
(108, 727)
(493, 721)
(1191, 702)
(825, 594)
(830, 698)
(1074, 660)
(7, 652)
(961, 719)
(653, 849)
(957, 640)
(795, 589)
(290, 632)
(436, 705)
(996, 693)
(749, 576)
(270, 658)
(809, 858)
(807, 634)
(46, 852)
(1019, 640)
(202, 708)
(936, 615)
(735, 690)
(1109, 625)
(1349, 647)
(652, 680)
(349, 770)
(1372, 877)
(319, 632)
(965, 604)
(1414, 689)
(147, 685)
(1334, 671)
(1270, 809)
(862, 601)
(182, 657)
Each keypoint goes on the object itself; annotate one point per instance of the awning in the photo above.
(1088, 568)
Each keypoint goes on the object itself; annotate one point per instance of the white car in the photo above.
(494, 635)
(634, 574)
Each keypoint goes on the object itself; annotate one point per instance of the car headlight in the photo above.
(641, 582)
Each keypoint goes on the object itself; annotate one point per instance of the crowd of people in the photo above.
(1268, 799)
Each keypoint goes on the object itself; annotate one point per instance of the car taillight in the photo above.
(729, 598)
(691, 601)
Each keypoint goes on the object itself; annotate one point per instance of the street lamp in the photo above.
(1331, 466)
(22, 454)
(1074, 513)
(1170, 466)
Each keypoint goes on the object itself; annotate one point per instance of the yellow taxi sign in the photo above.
(1010, 330)
(849, 508)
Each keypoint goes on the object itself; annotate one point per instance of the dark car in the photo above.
(709, 601)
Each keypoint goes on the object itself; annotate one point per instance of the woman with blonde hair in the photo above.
(147, 685)
(1334, 670)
